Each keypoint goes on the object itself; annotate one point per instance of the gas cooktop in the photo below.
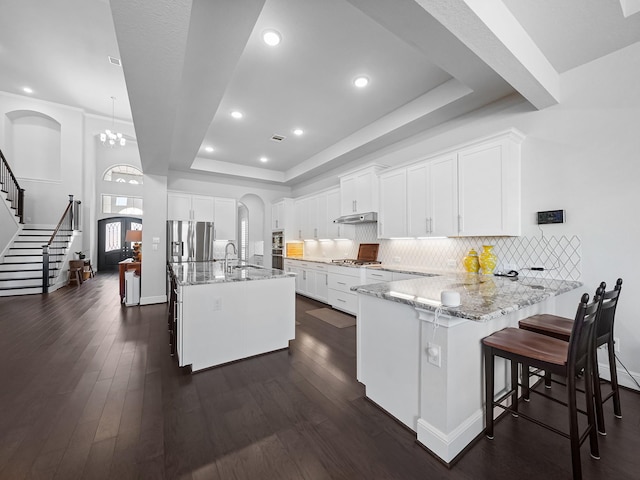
(355, 261)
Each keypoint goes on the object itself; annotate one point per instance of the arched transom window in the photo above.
(123, 174)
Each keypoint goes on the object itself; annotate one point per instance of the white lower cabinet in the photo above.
(341, 279)
(311, 278)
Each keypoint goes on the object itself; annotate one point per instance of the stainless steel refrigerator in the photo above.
(189, 241)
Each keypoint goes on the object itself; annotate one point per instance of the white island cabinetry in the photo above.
(215, 322)
(427, 371)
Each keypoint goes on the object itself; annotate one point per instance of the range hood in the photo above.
(369, 217)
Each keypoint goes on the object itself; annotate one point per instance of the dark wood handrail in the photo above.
(68, 223)
(15, 194)
(62, 219)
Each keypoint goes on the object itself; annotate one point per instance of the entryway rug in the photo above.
(333, 317)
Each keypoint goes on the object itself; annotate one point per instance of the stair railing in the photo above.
(56, 245)
(10, 186)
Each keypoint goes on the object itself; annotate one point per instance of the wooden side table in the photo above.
(125, 266)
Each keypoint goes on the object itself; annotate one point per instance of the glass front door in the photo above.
(112, 248)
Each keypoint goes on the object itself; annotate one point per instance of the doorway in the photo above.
(112, 248)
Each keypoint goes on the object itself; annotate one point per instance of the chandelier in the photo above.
(111, 137)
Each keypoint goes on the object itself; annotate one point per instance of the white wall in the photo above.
(45, 200)
(153, 288)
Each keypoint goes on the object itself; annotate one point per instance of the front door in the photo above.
(112, 248)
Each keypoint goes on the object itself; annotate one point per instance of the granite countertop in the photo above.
(199, 273)
(482, 297)
(416, 270)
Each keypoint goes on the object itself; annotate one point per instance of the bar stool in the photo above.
(560, 327)
(566, 359)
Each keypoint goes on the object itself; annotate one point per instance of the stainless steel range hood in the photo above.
(369, 217)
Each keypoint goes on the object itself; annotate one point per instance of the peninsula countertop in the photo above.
(482, 297)
(199, 273)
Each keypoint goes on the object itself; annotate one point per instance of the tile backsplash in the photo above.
(559, 256)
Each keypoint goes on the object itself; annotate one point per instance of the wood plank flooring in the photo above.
(88, 390)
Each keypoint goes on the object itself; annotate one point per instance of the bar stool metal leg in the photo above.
(489, 360)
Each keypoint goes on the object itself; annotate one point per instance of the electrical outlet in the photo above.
(434, 354)
(217, 304)
(396, 259)
(616, 342)
(451, 262)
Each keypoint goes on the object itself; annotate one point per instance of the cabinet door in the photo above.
(418, 216)
(337, 230)
(392, 221)
(443, 196)
(178, 206)
(322, 286)
(322, 219)
(348, 186)
(366, 192)
(202, 208)
(225, 219)
(489, 190)
(298, 208)
(310, 221)
(276, 215)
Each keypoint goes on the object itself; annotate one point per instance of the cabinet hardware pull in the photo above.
(341, 283)
(459, 223)
(341, 300)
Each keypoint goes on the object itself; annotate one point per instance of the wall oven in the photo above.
(277, 249)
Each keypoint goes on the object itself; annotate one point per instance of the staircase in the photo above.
(21, 268)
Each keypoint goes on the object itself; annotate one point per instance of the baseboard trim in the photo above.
(448, 445)
(153, 300)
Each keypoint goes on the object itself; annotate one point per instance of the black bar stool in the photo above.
(560, 327)
(566, 359)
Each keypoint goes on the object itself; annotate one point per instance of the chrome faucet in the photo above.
(227, 267)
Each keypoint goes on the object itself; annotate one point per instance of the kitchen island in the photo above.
(222, 316)
(422, 362)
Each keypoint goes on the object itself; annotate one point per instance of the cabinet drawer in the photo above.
(347, 302)
(343, 283)
(319, 267)
(378, 276)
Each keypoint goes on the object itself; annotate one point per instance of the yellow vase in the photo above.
(487, 260)
(470, 262)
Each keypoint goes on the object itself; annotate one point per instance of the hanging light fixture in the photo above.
(111, 137)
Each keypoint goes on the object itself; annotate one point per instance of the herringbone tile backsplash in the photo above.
(559, 256)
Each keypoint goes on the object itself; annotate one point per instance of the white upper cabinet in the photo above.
(282, 215)
(201, 208)
(337, 230)
(359, 191)
(226, 215)
(420, 200)
(392, 218)
(489, 187)
(471, 191)
(182, 206)
(178, 206)
(442, 196)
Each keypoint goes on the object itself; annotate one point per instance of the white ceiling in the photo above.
(188, 63)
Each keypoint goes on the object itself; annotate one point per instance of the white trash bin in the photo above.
(131, 288)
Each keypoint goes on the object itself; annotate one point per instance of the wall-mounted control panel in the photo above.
(551, 216)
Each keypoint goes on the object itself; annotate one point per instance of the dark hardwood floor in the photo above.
(88, 390)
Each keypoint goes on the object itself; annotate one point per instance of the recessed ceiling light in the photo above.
(361, 81)
(236, 114)
(27, 90)
(208, 149)
(264, 159)
(271, 37)
(298, 131)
